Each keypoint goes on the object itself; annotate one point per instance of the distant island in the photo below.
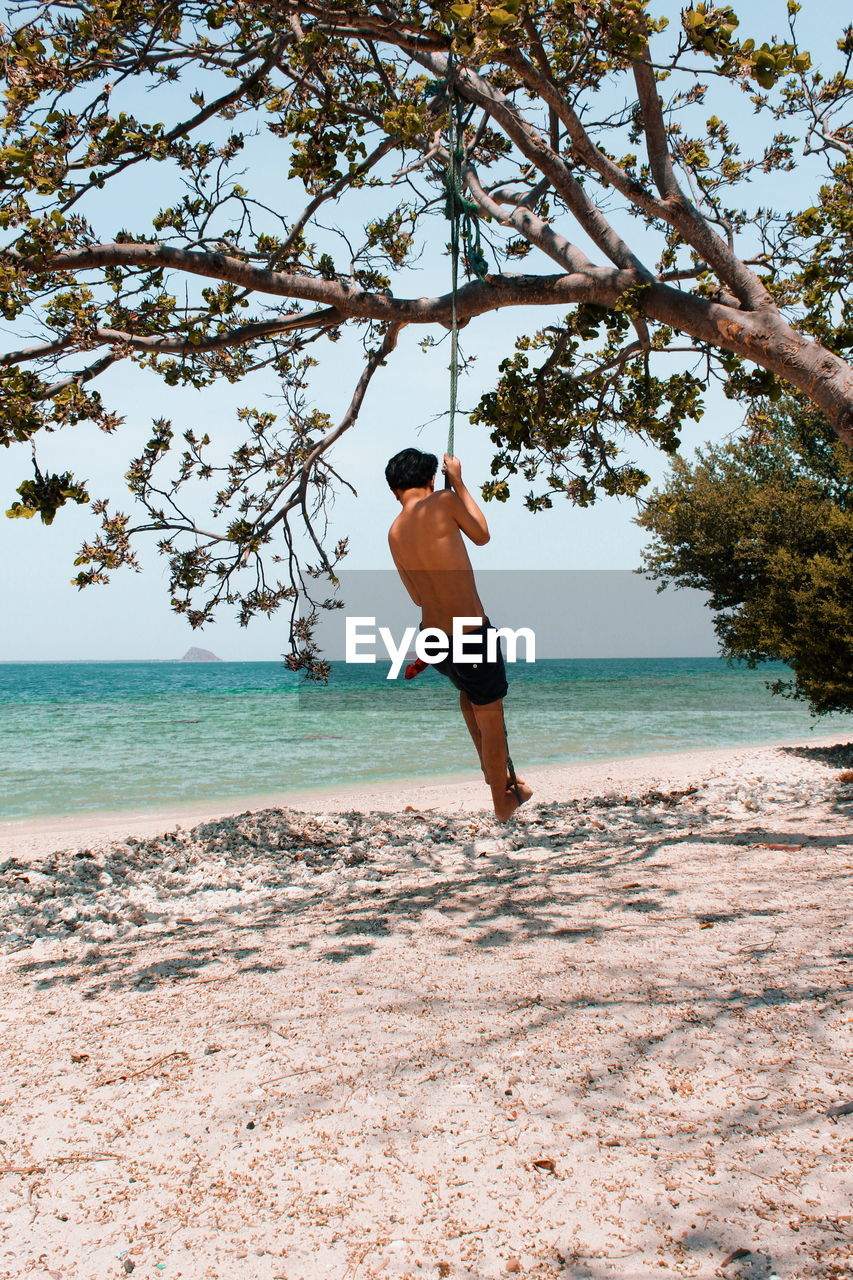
(199, 655)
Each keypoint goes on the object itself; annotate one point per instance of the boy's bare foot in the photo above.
(509, 802)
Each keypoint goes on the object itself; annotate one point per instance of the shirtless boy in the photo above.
(432, 560)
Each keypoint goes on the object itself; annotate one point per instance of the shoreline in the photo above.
(552, 783)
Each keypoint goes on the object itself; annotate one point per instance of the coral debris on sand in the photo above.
(245, 861)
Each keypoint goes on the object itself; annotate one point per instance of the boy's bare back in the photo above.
(431, 557)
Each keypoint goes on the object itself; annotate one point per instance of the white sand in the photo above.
(599, 1042)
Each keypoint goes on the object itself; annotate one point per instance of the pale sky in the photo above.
(44, 617)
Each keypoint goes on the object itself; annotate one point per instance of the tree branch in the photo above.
(388, 144)
(763, 336)
(39, 351)
(182, 129)
(534, 147)
(674, 207)
(533, 228)
(80, 378)
(374, 361)
(152, 343)
(348, 300)
(684, 215)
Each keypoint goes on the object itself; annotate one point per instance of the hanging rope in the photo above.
(462, 215)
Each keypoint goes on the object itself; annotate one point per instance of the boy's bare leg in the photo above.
(493, 754)
(466, 706)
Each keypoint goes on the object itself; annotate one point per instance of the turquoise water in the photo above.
(78, 737)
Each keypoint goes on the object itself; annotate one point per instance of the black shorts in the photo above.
(483, 681)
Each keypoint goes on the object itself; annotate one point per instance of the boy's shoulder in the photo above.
(440, 501)
(442, 505)
(443, 497)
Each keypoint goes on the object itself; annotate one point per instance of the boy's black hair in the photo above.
(411, 469)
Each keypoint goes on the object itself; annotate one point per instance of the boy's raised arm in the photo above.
(468, 515)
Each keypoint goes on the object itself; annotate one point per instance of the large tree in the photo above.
(764, 524)
(599, 146)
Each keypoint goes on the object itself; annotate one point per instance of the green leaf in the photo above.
(500, 17)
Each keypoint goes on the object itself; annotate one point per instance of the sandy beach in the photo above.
(375, 1034)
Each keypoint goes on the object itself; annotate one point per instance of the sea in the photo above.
(102, 737)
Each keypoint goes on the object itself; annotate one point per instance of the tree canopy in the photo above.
(765, 525)
(602, 161)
